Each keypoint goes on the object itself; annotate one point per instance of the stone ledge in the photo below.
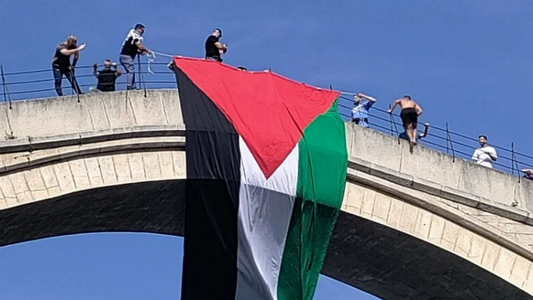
(98, 150)
(40, 143)
(439, 190)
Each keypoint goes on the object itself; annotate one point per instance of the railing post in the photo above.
(447, 134)
(449, 140)
(330, 87)
(391, 122)
(512, 158)
(141, 79)
(5, 89)
(3, 82)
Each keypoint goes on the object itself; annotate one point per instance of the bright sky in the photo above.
(467, 62)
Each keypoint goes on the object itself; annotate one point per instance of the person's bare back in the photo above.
(409, 115)
(407, 103)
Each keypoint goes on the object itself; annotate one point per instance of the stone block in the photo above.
(93, 172)
(107, 168)
(395, 214)
(166, 164)
(136, 165)
(122, 168)
(477, 248)
(49, 176)
(490, 255)
(423, 224)
(519, 271)
(436, 230)
(79, 174)
(151, 165)
(178, 158)
(64, 177)
(408, 218)
(381, 207)
(504, 263)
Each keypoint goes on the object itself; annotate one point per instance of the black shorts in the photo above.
(409, 116)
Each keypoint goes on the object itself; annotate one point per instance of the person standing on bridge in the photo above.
(362, 103)
(133, 45)
(213, 47)
(61, 65)
(107, 77)
(485, 154)
(409, 115)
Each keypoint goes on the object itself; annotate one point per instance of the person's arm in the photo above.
(475, 156)
(95, 70)
(528, 171)
(372, 99)
(419, 110)
(394, 104)
(426, 129)
(72, 51)
(220, 46)
(492, 153)
(142, 48)
(117, 71)
(75, 60)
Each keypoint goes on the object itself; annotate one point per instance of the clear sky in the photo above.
(467, 62)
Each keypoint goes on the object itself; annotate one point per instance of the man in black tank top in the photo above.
(61, 65)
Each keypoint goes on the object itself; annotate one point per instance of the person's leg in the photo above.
(71, 77)
(57, 81)
(129, 66)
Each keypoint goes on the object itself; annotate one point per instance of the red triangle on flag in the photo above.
(269, 111)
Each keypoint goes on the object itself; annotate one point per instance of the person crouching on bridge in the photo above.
(107, 77)
(132, 46)
(409, 115)
(213, 47)
(422, 135)
(61, 65)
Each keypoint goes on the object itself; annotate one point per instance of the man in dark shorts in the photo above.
(61, 65)
(409, 115)
(213, 47)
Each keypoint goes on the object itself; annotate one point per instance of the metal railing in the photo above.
(445, 140)
(40, 84)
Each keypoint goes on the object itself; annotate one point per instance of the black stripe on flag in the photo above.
(212, 196)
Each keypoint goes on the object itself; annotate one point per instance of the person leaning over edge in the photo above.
(213, 47)
(61, 65)
(409, 115)
(107, 77)
(133, 45)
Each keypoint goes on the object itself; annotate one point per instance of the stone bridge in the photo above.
(413, 226)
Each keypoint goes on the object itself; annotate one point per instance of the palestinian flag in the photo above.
(266, 170)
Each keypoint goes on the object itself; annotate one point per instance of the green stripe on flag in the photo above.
(323, 161)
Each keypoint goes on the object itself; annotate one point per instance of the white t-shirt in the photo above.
(481, 156)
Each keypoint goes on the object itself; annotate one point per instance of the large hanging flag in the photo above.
(266, 170)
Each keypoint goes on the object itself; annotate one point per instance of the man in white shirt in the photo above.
(486, 154)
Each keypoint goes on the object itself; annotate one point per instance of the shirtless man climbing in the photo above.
(410, 112)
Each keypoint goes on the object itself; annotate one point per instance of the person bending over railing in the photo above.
(61, 65)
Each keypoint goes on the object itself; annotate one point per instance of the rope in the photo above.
(152, 57)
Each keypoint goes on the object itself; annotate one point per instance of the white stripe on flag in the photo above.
(265, 209)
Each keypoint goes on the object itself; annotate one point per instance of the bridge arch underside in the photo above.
(369, 256)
